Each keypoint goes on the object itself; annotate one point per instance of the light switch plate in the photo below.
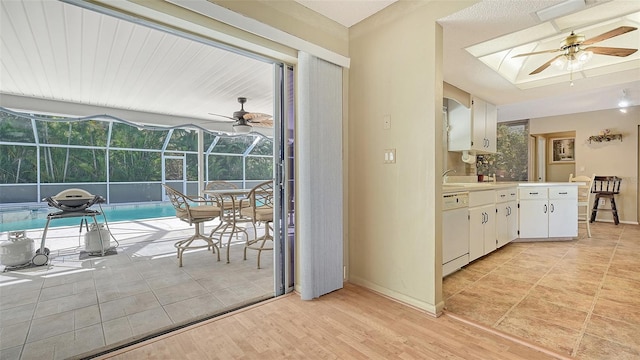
(389, 156)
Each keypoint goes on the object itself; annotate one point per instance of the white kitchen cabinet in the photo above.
(563, 212)
(472, 129)
(484, 117)
(506, 216)
(482, 223)
(548, 212)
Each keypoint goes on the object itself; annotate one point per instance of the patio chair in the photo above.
(193, 211)
(259, 207)
(584, 199)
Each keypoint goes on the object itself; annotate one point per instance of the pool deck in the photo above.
(78, 304)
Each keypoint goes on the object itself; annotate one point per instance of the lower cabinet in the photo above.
(548, 212)
(506, 216)
(482, 219)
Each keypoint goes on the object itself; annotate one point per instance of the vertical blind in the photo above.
(320, 193)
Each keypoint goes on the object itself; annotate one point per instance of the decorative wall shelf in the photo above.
(608, 137)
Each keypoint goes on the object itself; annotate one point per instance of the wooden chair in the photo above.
(606, 187)
(584, 198)
(193, 211)
(259, 207)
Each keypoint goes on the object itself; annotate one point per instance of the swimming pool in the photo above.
(35, 217)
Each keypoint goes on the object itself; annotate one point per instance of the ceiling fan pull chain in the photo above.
(571, 77)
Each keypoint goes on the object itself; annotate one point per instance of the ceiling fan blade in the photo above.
(263, 124)
(544, 66)
(230, 119)
(537, 52)
(257, 117)
(622, 52)
(609, 34)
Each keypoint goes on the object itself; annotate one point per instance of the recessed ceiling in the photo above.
(515, 23)
(498, 53)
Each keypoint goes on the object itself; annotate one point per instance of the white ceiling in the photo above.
(65, 54)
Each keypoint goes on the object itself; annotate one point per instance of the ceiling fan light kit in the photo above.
(243, 119)
(242, 128)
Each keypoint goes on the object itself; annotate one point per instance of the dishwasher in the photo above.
(455, 232)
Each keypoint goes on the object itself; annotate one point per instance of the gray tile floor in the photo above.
(79, 304)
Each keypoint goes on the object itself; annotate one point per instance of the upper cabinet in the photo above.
(472, 129)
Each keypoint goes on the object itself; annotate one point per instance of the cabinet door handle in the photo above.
(545, 208)
(552, 208)
(533, 193)
(563, 193)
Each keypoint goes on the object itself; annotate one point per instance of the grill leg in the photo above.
(594, 211)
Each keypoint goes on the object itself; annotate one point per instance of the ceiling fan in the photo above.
(574, 54)
(244, 119)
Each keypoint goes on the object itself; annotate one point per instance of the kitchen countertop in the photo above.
(479, 186)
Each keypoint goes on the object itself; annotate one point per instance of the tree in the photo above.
(511, 161)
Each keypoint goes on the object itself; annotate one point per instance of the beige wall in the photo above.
(618, 158)
(394, 214)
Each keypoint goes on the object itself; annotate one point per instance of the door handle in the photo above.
(552, 208)
(545, 208)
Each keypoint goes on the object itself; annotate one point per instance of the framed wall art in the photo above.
(562, 150)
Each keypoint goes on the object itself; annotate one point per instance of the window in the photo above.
(511, 161)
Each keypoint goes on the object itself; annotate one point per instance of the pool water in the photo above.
(36, 218)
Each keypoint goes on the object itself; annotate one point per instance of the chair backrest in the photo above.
(261, 196)
(178, 199)
(180, 203)
(220, 185)
(261, 202)
(584, 191)
(608, 185)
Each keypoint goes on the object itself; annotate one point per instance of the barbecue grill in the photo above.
(71, 203)
(74, 200)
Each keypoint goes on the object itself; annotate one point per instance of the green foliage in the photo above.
(125, 165)
(86, 133)
(259, 168)
(15, 129)
(18, 164)
(225, 167)
(264, 147)
(126, 136)
(511, 162)
(64, 165)
(60, 163)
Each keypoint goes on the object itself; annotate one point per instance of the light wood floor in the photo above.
(351, 323)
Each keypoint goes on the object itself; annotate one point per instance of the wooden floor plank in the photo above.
(351, 323)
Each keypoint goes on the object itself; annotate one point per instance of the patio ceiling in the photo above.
(84, 63)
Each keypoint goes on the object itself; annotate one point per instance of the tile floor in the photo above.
(80, 303)
(580, 298)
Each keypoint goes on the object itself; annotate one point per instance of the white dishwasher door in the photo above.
(455, 240)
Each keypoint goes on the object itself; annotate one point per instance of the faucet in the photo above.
(444, 175)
